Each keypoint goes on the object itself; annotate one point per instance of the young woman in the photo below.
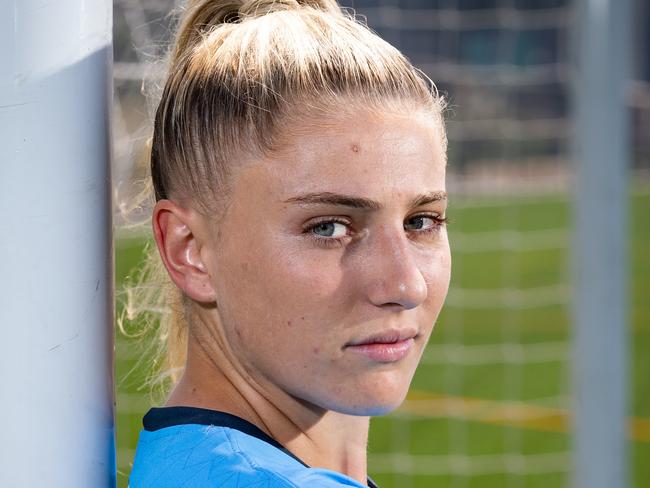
(298, 163)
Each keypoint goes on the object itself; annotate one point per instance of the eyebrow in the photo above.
(328, 198)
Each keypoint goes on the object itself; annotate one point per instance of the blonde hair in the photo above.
(242, 73)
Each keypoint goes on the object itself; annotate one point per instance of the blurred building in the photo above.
(504, 66)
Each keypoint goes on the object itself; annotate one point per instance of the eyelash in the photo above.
(338, 241)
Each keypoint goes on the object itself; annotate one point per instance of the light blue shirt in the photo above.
(192, 447)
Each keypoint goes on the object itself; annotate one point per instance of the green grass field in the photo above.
(488, 403)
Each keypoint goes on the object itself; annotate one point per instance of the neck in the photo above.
(320, 438)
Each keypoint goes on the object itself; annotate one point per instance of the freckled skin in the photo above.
(266, 267)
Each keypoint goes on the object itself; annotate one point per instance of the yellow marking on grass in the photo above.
(511, 414)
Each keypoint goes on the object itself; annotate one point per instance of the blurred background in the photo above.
(489, 404)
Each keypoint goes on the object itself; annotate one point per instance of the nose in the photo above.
(395, 279)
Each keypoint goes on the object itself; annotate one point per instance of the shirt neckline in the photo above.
(161, 417)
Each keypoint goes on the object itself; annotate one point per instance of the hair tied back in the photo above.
(201, 16)
(257, 8)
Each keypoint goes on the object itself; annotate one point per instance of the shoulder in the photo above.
(211, 456)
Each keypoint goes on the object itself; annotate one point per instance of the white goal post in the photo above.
(56, 271)
(602, 158)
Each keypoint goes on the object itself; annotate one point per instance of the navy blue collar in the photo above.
(160, 417)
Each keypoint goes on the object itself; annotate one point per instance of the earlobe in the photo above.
(177, 233)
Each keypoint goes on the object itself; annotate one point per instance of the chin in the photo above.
(372, 403)
(363, 394)
(379, 410)
(371, 410)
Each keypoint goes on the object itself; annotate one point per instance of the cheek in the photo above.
(298, 269)
(276, 290)
(436, 270)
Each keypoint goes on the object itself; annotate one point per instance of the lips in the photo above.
(391, 336)
(385, 347)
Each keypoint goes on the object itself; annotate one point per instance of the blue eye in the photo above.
(330, 229)
(419, 223)
(424, 223)
(331, 232)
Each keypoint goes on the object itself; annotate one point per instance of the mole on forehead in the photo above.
(355, 147)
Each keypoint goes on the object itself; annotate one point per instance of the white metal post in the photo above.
(599, 256)
(56, 253)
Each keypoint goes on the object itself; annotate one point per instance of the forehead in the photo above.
(376, 156)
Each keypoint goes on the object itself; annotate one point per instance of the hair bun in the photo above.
(257, 8)
(203, 15)
(209, 13)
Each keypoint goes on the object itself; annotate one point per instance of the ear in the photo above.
(177, 232)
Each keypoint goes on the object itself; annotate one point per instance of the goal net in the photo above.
(489, 403)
